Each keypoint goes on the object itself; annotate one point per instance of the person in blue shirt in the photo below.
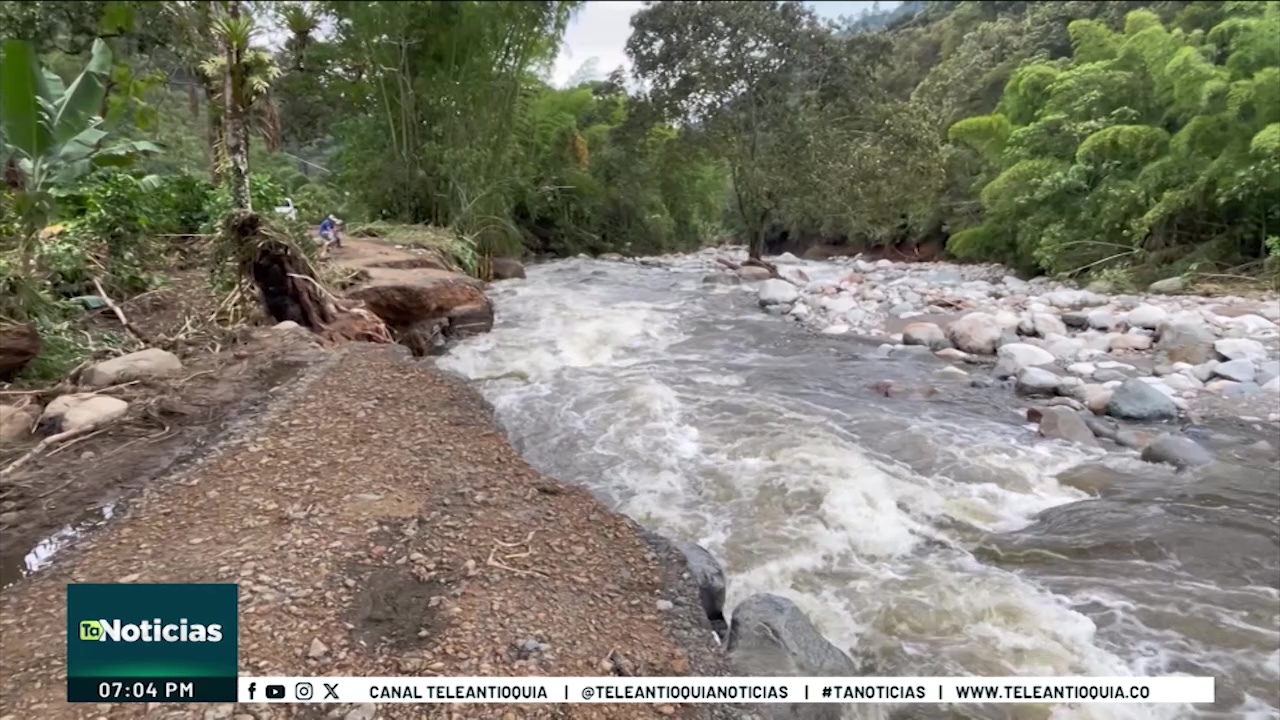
(329, 232)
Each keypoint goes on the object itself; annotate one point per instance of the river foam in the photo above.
(689, 410)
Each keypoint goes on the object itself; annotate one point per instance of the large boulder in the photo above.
(924, 333)
(1065, 423)
(706, 571)
(507, 268)
(770, 636)
(1188, 341)
(1146, 316)
(1137, 400)
(777, 292)
(978, 333)
(1022, 355)
(1240, 349)
(81, 411)
(148, 364)
(1178, 450)
(19, 345)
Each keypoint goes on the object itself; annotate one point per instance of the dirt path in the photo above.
(362, 514)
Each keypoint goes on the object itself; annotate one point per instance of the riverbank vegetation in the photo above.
(1128, 139)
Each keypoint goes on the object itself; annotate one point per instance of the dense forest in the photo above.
(1075, 137)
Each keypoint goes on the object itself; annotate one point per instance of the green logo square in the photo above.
(122, 637)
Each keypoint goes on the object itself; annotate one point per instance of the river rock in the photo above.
(1022, 355)
(1184, 383)
(751, 273)
(1103, 427)
(926, 334)
(953, 354)
(1146, 316)
(1238, 370)
(1272, 385)
(979, 333)
(1097, 398)
(19, 345)
(1178, 450)
(1065, 424)
(81, 411)
(145, 364)
(712, 587)
(16, 422)
(776, 292)
(1074, 299)
(770, 636)
(1037, 381)
(1130, 342)
(1240, 349)
(1137, 400)
(1168, 286)
(1102, 320)
(507, 268)
(1189, 341)
(1076, 319)
(410, 299)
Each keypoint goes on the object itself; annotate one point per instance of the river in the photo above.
(934, 536)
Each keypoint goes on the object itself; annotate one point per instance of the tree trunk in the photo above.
(214, 137)
(236, 132)
(755, 242)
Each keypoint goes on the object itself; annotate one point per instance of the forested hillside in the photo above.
(1071, 136)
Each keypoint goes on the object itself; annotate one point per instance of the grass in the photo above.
(459, 248)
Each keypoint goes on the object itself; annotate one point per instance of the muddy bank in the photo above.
(377, 512)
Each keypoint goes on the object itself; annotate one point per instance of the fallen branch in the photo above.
(43, 445)
(128, 326)
(728, 263)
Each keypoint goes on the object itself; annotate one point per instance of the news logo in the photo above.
(152, 643)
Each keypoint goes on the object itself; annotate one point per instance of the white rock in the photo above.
(141, 365)
(1023, 355)
(838, 305)
(1254, 324)
(835, 329)
(1130, 342)
(786, 258)
(977, 333)
(1146, 316)
(1241, 371)
(952, 371)
(922, 333)
(82, 411)
(777, 292)
(1074, 299)
(952, 354)
(1179, 381)
(1273, 385)
(1083, 369)
(1102, 320)
(1240, 349)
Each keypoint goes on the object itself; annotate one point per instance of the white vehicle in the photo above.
(288, 210)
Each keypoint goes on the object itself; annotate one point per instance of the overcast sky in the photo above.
(601, 28)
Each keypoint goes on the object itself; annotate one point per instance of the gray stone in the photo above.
(1178, 450)
(1076, 319)
(1022, 355)
(1146, 316)
(1102, 320)
(712, 587)
(979, 333)
(141, 365)
(1074, 299)
(777, 292)
(1102, 427)
(81, 411)
(1037, 381)
(1240, 349)
(1108, 375)
(1204, 371)
(752, 273)
(1137, 400)
(770, 636)
(1185, 341)
(1168, 286)
(926, 334)
(1241, 371)
(1065, 424)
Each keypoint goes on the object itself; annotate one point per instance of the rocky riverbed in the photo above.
(1153, 356)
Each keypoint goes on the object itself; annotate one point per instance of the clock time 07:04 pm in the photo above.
(146, 690)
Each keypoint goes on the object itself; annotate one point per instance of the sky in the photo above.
(601, 28)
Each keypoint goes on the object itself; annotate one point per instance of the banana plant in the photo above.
(52, 132)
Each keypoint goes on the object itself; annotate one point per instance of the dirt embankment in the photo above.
(379, 523)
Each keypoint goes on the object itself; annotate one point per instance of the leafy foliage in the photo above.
(1150, 144)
